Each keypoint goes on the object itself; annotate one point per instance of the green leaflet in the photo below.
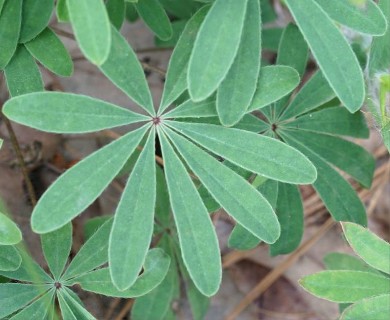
(376, 308)
(162, 211)
(274, 83)
(243, 202)
(372, 249)
(14, 296)
(333, 120)
(176, 79)
(345, 285)
(78, 187)
(332, 52)
(131, 12)
(349, 157)
(379, 60)
(38, 309)
(132, 230)
(267, 11)
(28, 271)
(9, 231)
(35, 18)
(293, 52)
(66, 310)
(22, 74)
(236, 91)
(271, 38)
(62, 11)
(289, 210)
(210, 59)
(155, 269)
(198, 240)
(92, 28)
(56, 247)
(262, 155)
(337, 194)
(313, 94)
(241, 238)
(342, 261)
(199, 303)
(67, 113)
(77, 309)
(189, 109)
(177, 29)
(155, 17)
(365, 17)
(1, 5)
(182, 9)
(92, 254)
(48, 49)
(10, 21)
(116, 12)
(10, 258)
(124, 70)
(93, 224)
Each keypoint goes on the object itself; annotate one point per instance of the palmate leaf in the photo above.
(211, 60)
(278, 161)
(365, 17)
(35, 18)
(176, 78)
(10, 258)
(91, 27)
(67, 113)
(78, 187)
(376, 308)
(332, 52)
(10, 22)
(155, 17)
(49, 50)
(56, 247)
(244, 203)
(345, 285)
(237, 89)
(133, 221)
(198, 240)
(22, 73)
(9, 231)
(372, 249)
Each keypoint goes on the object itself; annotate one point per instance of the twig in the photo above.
(114, 303)
(126, 308)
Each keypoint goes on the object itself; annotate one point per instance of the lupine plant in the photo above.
(236, 131)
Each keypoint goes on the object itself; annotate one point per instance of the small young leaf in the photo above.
(237, 89)
(276, 160)
(176, 79)
(132, 230)
(67, 113)
(56, 247)
(332, 52)
(116, 12)
(365, 17)
(124, 70)
(289, 210)
(335, 121)
(10, 22)
(155, 269)
(313, 94)
(92, 28)
(39, 309)
(22, 73)
(92, 254)
(78, 187)
(345, 285)
(48, 49)
(35, 18)
(10, 258)
(337, 194)
(9, 231)
(210, 59)
(375, 308)
(372, 249)
(155, 17)
(243, 202)
(197, 237)
(274, 83)
(14, 296)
